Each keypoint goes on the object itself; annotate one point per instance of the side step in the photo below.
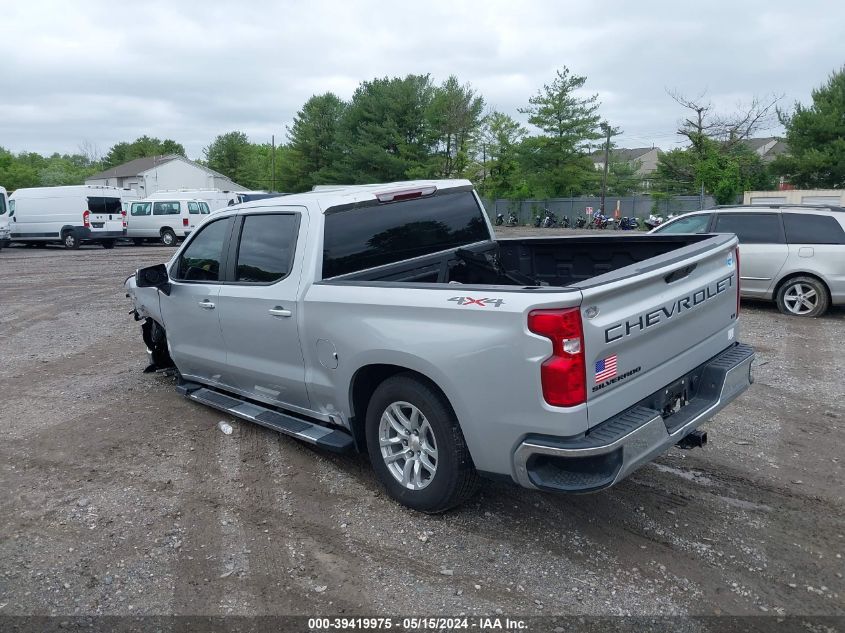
(334, 440)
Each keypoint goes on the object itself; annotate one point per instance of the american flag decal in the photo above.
(605, 368)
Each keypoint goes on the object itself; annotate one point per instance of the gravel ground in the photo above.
(120, 497)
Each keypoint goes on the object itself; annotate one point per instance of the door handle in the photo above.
(206, 304)
(279, 311)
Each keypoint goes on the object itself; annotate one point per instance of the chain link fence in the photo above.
(637, 206)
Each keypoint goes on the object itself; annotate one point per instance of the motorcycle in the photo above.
(565, 222)
(628, 224)
(512, 219)
(500, 219)
(654, 221)
(581, 222)
(550, 220)
(599, 221)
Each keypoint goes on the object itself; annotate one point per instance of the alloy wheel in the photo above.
(407, 445)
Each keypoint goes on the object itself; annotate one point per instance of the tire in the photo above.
(438, 442)
(168, 237)
(803, 297)
(138, 241)
(107, 244)
(70, 241)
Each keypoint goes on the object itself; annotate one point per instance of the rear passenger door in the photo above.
(258, 307)
(762, 248)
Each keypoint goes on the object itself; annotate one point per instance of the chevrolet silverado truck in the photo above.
(389, 319)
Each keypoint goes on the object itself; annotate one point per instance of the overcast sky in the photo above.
(105, 71)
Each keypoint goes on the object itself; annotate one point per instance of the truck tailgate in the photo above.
(648, 324)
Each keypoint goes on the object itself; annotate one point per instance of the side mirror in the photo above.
(153, 277)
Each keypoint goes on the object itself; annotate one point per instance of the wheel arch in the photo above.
(792, 275)
(366, 380)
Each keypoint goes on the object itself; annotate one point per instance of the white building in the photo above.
(148, 175)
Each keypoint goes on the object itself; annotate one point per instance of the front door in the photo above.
(258, 308)
(191, 313)
(762, 248)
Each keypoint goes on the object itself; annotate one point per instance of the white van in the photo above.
(69, 215)
(4, 218)
(166, 220)
(215, 198)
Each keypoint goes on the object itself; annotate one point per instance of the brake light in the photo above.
(736, 257)
(562, 375)
(86, 222)
(406, 194)
(184, 221)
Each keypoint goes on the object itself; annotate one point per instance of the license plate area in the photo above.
(97, 225)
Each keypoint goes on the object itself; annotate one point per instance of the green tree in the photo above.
(622, 177)
(501, 176)
(314, 145)
(141, 147)
(384, 132)
(455, 116)
(815, 135)
(234, 156)
(556, 159)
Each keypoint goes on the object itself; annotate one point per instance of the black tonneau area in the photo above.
(529, 262)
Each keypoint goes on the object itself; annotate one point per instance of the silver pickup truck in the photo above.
(389, 319)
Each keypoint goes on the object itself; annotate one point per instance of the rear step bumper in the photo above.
(613, 449)
(331, 439)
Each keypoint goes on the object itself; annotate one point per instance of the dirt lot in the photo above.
(120, 497)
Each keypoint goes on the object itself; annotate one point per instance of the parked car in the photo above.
(4, 218)
(791, 254)
(215, 198)
(166, 220)
(68, 215)
(389, 319)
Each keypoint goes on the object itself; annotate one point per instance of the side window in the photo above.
(807, 228)
(2, 204)
(11, 208)
(204, 208)
(193, 208)
(166, 208)
(266, 248)
(692, 224)
(752, 228)
(141, 208)
(201, 260)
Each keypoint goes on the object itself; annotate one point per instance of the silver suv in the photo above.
(791, 254)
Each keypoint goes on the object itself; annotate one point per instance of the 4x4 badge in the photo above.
(469, 301)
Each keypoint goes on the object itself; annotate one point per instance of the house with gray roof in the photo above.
(767, 148)
(145, 176)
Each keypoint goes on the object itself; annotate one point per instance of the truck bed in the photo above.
(529, 262)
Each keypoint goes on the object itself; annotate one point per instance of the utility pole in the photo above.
(273, 163)
(608, 131)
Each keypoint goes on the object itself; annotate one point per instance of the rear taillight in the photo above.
(185, 222)
(86, 222)
(562, 375)
(736, 258)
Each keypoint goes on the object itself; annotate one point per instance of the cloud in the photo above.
(104, 72)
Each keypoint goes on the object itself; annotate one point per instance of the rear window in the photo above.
(752, 228)
(805, 228)
(166, 208)
(104, 205)
(365, 237)
(2, 204)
